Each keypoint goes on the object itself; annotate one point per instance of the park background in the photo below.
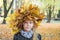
(49, 27)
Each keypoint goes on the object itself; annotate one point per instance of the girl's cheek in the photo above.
(25, 25)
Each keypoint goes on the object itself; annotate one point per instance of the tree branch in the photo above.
(10, 5)
(4, 4)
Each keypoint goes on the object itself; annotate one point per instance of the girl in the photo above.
(26, 20)
(27, 31)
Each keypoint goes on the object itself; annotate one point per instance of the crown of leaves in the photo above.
(18, 16)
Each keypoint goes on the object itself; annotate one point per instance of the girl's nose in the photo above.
(28, 24)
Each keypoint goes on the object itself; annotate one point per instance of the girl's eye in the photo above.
(30, 22)
(25, 22)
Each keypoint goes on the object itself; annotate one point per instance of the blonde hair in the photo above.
(35, 36)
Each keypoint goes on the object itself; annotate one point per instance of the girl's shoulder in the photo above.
(18, 33)
(39, 36)
(16, 36)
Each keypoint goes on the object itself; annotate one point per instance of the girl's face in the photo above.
(28, 25)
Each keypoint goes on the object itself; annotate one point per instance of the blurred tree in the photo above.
(49, 14)
(5, 9)
(0, 11)
(58, 15)
(50, 9)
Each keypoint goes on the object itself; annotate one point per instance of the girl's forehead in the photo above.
(28, 21)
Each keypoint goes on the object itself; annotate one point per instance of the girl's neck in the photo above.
(27, 31)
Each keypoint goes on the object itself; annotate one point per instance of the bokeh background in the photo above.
(50, 25)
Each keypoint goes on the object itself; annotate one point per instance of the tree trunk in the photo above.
(5, 9)
(49, 15)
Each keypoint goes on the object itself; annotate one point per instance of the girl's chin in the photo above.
(27, 30)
